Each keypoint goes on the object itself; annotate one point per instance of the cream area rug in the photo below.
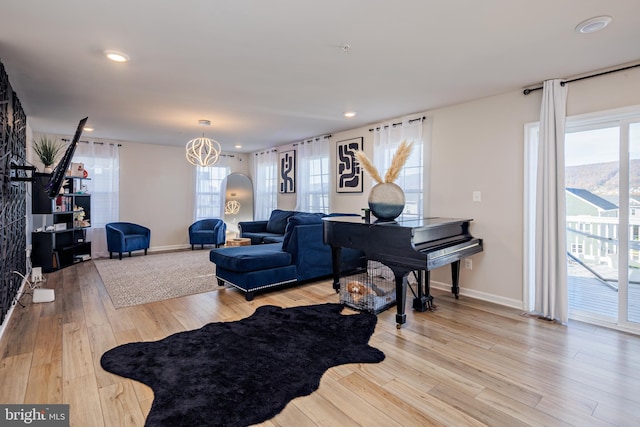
(155, 277)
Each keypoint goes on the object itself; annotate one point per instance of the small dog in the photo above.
(358, 290)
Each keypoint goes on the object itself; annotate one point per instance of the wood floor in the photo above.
(469, 363)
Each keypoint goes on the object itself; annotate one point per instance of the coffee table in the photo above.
(239, 241)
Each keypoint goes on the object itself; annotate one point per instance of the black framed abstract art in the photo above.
(287, 169)
(348, 170)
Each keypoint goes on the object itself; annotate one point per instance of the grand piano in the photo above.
(417, 245)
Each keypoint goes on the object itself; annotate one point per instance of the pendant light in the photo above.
(203, 151)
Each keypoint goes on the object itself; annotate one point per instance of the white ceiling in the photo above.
(272, 72)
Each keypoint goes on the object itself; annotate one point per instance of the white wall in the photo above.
(478, 146)
(157, 187)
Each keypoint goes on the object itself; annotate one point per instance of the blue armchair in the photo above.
(127, 237)
(207, 232)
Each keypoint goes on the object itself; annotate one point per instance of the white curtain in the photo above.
(312, 176)
(265, 171)
(551, 298)
(386, 139)
(102, 162)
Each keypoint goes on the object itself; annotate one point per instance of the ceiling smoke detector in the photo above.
(593, 25)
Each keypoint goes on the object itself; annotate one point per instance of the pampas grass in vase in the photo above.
(386, 199)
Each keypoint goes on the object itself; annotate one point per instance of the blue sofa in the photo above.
(269, 231)
(301, 256)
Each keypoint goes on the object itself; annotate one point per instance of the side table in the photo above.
(238, 241)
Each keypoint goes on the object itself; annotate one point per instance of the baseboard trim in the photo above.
(483, 296)
(168, 248)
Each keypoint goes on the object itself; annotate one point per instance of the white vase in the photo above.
(48, 169)
(386, 201)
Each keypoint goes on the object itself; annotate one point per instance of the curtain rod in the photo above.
(398, 124)
(95, 142)
(317, 138)
(528, 91)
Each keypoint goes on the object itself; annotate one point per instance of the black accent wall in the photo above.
(13, 134)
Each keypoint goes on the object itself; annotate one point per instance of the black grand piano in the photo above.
(419, 245)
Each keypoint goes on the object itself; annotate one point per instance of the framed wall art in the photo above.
(287, 172)
(348, 170)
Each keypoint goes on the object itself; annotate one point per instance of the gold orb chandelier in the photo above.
(203, 151)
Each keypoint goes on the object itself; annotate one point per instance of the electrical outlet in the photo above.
(477, 196)
(36, 275)
(468, 264)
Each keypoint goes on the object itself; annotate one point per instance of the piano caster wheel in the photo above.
(398, 326)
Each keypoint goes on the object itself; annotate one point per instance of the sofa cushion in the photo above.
(278, 221)
(300, 218)
(250, 258)
(276, 238)
(134, 242)
(259, 238)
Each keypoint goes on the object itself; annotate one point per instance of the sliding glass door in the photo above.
(592, 181)
(602, 174)
(602, 181)
(630, 308)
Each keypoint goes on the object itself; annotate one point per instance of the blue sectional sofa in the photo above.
(301, 256)
(269, 231)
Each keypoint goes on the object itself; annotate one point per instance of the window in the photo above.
(317, 199)
(577, 248)
(266, 183)
(387, 138)
(102, 162)
(208, 191)
(313, 176)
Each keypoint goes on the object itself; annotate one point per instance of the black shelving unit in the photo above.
(60, 225)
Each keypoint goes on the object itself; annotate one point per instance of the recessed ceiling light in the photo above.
(350, 114)
(88, 129)
(116, 56)
(593, 24)
(238, 146)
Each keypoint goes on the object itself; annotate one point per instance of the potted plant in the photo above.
(47, 149)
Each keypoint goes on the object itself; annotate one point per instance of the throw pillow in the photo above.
(278, 221)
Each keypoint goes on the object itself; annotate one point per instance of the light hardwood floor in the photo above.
(469, 363)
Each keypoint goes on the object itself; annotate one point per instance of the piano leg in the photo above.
(424, 300)
(455, 278)
(401, 295)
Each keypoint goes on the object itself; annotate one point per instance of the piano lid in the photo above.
(408, 223)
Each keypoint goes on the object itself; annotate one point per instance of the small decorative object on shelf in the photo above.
(386, 199)
(77, 170)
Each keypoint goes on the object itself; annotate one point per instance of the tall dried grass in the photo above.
(397, 163)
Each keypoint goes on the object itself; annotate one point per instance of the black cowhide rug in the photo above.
(244, 372)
